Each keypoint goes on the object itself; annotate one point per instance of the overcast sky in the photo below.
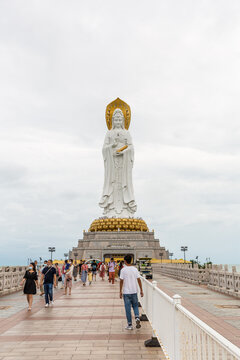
(176, 63)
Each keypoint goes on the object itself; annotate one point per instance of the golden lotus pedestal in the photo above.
(118, 224)
(116, 237)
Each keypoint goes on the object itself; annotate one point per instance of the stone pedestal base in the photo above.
(104, 244)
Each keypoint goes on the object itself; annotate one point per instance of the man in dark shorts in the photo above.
(94, 269)
(49, 279)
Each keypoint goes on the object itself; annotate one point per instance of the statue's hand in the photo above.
(115, 143)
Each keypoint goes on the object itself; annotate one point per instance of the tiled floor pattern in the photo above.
(89, 324)
(206, 305)
(14, 303)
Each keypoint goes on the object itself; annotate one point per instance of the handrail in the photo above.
(181, 334)
(235, 351)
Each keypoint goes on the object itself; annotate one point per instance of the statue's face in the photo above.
(118, 121)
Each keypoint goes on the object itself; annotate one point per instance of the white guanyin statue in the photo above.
(118, 154)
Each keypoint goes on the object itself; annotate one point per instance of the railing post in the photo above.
(177, 299)
(154, 283)
(153, 342)
(176, 331)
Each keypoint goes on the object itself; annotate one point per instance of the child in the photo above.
(90, 276)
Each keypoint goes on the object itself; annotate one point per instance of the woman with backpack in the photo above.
(94, 269)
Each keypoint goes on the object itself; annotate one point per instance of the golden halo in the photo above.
(118, 104)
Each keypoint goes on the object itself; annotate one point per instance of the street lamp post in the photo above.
(51, 249)
(161, 255)
(171, 255)
(184, 249)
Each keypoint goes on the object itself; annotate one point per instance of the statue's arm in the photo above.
(107, 141)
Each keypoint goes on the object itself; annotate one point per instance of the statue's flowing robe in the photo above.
(118, 196)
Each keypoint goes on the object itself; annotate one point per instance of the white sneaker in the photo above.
(129, 327)
(51, 302)
(46, 305)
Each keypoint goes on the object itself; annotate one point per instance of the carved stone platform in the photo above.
(104, 244)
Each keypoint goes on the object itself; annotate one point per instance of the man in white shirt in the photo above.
(129, 281)
(111, 269)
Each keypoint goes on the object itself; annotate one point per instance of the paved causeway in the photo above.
(89, 324)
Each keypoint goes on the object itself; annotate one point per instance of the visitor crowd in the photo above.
(48, 275)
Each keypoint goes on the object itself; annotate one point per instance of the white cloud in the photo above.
(176, 64)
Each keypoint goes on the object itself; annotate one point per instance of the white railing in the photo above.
(10, 277)
(181, 334)
(183, 272)
(216, 277)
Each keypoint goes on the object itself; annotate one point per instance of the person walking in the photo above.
(30, 281)
(102, 271)
(84, 273)
(58, 273)
(68, 278)
(129, 282)
(40, 275)
(65, 267)
(75, 271)
(90, 276)
(80, 268)
(116, 271)
(111, 269)
(120, 267)
(49, 279)
(94, 269)
(37, 267)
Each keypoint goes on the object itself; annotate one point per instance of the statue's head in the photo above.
(118, 119)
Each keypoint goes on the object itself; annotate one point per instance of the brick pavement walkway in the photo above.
(89, 324)
(221, 312)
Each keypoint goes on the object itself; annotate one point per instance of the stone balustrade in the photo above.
(222, 280)
(10, 278)
(183, 272)
(216, 277)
